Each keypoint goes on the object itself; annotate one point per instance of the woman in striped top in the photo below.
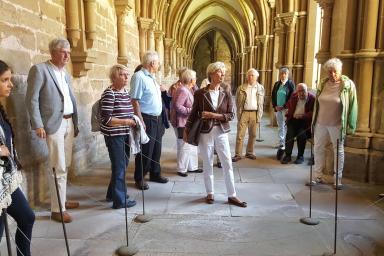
(116, 121)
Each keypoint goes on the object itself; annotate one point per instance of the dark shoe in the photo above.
(197, 170)
(209, 199)
(381, 195)
(219, 165)
(311, 161)
(236, 201)
(72, 204)
(299, 160)
(250, 156)
(338, 187)
(182, 174)
(279, 154)
(130, 203)
(159, 179)
(234, 159)
(286, 159)
(140, 186)
(111, 200)
(56, 216)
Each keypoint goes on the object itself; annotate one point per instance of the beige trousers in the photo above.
(248, 120)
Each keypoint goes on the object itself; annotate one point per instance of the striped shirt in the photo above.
(115, 104)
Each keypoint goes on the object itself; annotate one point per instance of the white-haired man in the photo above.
(147, 104)
(249, 104)
(53, 115)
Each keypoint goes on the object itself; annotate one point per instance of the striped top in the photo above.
(115, 104)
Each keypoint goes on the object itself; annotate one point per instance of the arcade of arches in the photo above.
(264, 34)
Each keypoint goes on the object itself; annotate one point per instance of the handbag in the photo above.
(180, 132)
(194, 132)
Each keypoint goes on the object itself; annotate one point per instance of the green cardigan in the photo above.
(348, 100)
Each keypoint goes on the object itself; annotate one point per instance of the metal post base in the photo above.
(126, 251)
(259, 140)
(309, 221)
(143, 218)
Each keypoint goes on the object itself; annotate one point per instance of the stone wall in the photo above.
(26, 29)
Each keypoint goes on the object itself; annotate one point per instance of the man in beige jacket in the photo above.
(249, 104)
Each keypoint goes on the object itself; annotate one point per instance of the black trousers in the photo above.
(151, 152)
(296, 128)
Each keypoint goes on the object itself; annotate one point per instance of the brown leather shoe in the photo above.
(250, 156)
(236, 158)
(236, 201)
(72, 204)
(57, 217)
(209, 199)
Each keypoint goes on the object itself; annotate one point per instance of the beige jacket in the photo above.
(241, 96)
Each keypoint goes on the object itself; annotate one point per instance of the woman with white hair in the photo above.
(335, 116)
(214, 106)
(182, 102)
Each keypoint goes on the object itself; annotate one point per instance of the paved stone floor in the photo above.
(183, 224)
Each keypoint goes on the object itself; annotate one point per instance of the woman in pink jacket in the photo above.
(182, 102)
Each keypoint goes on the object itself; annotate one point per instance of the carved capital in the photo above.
(82, 62)
(272, 3)
(145, 23)
(168, 42)
(288, 19)
(159, 35)
(325, 4)
(123, 7)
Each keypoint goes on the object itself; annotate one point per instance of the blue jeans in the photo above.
(24, 217)
(118, 149)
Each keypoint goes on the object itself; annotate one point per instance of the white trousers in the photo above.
(60, 156)
(207, 143)
(282, 127)
(322, 136)
(187, 159)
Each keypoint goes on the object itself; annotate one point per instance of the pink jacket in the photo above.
(181, 106)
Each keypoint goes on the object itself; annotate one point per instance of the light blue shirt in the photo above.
(145, 89)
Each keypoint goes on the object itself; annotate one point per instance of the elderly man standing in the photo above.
(53, 115)
(249, 104)
(147, 104)
(299, 118)
(281, 92)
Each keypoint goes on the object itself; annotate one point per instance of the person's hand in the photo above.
(299, 116)
(185, 136)
(163, 88)
(40, 132)
(206, 115)
(278, 108)
(4, 151)
(131, 122)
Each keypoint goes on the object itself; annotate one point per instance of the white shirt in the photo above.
(300, 108)
(251, 100)
(214, 97)
(64, 88)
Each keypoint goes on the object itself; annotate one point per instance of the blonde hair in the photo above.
(213, 67)
(115, 70)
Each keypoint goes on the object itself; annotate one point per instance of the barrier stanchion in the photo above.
(259, 139)
(6, 227)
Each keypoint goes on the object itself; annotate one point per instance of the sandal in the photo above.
(209, 199)
(237, 202)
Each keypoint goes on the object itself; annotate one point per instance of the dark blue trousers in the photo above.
(22, 213)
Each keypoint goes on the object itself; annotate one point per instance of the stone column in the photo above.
(159, 46)
(179, 57)
(73, 22)
(365, 60)
(300, 46)
(174, 58)
(324, 52)
(262, 43)
(90, 21)
(121, 12)
(289, 20)
(144, 25)
(242, 73)
(168, 42)
(151, 36)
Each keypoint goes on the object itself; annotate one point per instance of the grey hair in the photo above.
(187, 76)
(181, 71)
(149, 57)
(252, 70)
(305, 87)
(333, 63)
(114, 71)
(284, 70)
(213, 67)
(58, 43)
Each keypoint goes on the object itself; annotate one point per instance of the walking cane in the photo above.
(259, 139)
(126, 250)
(336, 201)
(142, 218)
(61, 212)
(6, 227)
(309, 220)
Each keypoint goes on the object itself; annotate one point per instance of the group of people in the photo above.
(328, 117)
(133, 122)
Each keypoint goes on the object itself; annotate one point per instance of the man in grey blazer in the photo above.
(53, 115)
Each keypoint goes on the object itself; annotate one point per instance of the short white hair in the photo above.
(213, 67)
(305, 87)
(254, 71)
(149, 57)
(187, 76)
(284, 70)
(58, 43)
(333, 63)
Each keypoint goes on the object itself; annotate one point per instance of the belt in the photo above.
(151, 116)
(250, 110)
(67, 116)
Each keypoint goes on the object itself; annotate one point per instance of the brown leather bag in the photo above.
(194, 132)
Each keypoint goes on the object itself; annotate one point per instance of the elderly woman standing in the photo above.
(116, 122)
(11, 197)
(334, 117)
(182, 101)
(214, 105)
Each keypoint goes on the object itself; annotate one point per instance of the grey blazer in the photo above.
(45, 101)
